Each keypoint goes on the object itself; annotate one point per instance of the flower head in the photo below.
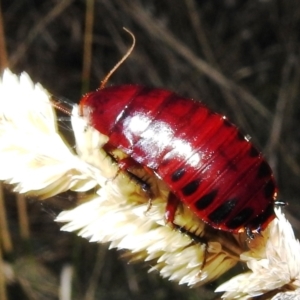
(273, 260)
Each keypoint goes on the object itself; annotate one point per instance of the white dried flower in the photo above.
(33, 155)
(273, 260)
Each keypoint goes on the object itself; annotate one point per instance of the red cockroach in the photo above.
(203, 158)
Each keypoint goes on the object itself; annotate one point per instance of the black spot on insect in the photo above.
(264, 170)
(206, 200)
(269, 189)
(253, 152)
(191, 187)
(260, 219)
(178, 174)
(242, 217)
(223, 211)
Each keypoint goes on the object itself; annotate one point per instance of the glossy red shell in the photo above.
(205, 160)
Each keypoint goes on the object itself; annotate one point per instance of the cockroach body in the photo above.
(203, 158)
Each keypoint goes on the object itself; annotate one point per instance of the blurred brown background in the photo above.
(239, 57)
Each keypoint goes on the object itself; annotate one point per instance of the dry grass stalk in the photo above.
(88, 40)
(66, 278)
(38, 29)
(23, 217)
(37, 282)
(3, 52)
(2, 279)
(5, 238)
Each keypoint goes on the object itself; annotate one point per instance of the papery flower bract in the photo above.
(273, 260)
(33, 156)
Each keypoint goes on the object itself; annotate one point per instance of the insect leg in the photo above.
(127, 163)
(172, 204)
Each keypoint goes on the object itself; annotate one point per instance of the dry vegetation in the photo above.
(239, 57)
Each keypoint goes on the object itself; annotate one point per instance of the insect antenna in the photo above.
(65, 107)
(61, 105)
(110, 73)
